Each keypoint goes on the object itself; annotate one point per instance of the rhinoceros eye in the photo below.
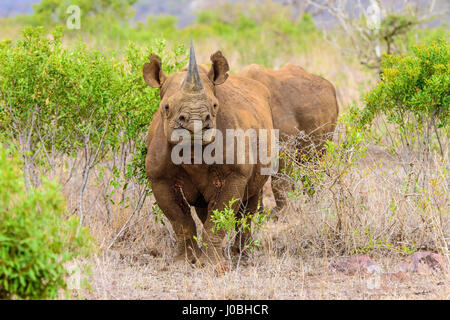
(215, 105)
(166, 108)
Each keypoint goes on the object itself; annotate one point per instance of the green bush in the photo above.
(60, 104)
(238, 228)
(56, 100)
(36, 237)
(414, 94)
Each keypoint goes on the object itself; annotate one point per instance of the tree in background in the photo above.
(375, 26)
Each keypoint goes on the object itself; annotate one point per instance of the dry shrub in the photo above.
(360, 198)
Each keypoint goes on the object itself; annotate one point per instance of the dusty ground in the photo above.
(303, 254)
(143, 276)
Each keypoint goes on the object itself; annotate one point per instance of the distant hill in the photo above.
(179, 8)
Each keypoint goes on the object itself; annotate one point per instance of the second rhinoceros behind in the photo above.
(300, 102)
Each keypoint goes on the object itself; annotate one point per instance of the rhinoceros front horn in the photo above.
(192, 82)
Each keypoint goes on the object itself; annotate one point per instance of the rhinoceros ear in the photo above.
(218, 73)
(153, 74)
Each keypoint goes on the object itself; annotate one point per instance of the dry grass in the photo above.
(297, 250)
(116, 276)
(374, 208)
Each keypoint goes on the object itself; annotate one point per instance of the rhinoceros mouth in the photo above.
(183, 136)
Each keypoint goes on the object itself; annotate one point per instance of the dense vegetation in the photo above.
(414, 94)
(55, 100)
(59, 105)
(36, 236)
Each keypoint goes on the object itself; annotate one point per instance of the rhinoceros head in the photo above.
(188, 98)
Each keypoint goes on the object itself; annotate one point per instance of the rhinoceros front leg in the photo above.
(233, 187)
(169, 197)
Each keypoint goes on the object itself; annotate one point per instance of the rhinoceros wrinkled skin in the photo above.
(219, 101)
(300, 101)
